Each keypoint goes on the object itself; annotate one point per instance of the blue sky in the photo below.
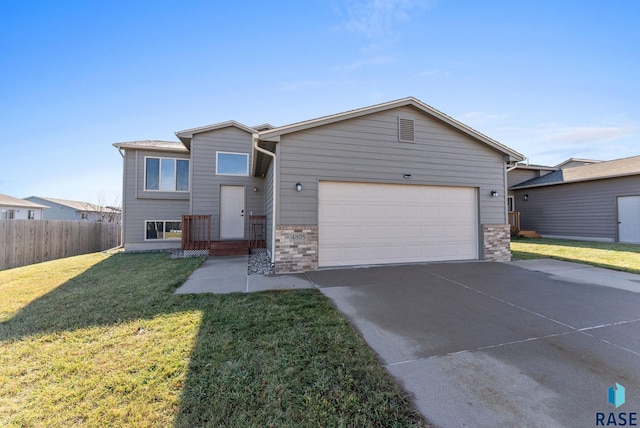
(551, 79)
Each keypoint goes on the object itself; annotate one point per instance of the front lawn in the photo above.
(101, 340)
(623, 257)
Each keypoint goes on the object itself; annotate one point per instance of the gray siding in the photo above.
(518, 176)
(140, 205)
(206, 184)
(586, 209)
(367, 149)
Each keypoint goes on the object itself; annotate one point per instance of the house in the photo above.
(391, 183)
(523, 172)
(571, 162)
(63, 209)
(583, 199)
(14, 208)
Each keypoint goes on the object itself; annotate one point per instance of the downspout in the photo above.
(506, 187)
(273, 194)
(124, 169)
(515, 165)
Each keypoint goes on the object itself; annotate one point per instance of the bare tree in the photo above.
(105, 212)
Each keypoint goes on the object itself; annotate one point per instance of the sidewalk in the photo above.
(582, 273)
(223, 275)
(228, 274)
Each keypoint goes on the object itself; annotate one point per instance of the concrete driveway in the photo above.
(493, 344)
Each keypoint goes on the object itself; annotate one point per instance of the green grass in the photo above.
(101, 340)
(623, 257)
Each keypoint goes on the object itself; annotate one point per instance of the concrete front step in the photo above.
(229, 248)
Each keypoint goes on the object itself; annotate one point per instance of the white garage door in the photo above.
(629, 219)
(365, 223)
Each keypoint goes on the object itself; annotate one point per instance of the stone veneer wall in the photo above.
(296, 248)
(496, 242)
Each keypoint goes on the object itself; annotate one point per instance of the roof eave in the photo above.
(125, 146)
(538, 167)
(581, 180)
(189, 133)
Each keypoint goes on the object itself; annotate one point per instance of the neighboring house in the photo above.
(570, 163)
(63, 209)
(523, 172)
(598, 201)
(15, 208)
(391, 183)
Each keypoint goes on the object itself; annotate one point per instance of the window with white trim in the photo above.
(163, 230)
(232, 163)
(31, 215)
(7, 214)
(166, 174)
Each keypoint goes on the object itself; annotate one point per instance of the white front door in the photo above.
(629, 219)
(231, 212)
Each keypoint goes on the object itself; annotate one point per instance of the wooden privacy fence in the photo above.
(24, 242)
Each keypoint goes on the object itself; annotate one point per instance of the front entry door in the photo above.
(629, 219)
(231, 212)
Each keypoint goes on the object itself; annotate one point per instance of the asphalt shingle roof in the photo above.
(10, 201)
(607, 169)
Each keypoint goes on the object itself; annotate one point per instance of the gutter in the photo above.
(513, 167)
(273, 203)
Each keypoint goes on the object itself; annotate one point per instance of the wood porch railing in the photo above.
(196, 232)
(514, 220)
(258, 231)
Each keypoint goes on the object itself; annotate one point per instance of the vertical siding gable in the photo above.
(367, 149)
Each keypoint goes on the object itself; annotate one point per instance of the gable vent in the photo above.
(406, 130)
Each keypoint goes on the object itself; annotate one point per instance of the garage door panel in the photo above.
(364, 223)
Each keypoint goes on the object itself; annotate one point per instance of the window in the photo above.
(163, 230)
(84, 216)
(31, 215)
(6, 214)
(232, 163)
(166, 174)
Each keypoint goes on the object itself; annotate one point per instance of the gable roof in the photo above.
(577, 160)
(186, 135)
(10, 201)
(76, 205)
(595, 171)
(275, 134)
(157, 145)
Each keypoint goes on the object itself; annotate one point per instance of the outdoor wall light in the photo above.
(255, 189)
(525, 197)
(298, 187)
(495, 193)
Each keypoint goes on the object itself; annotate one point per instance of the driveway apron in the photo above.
(492, 344)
